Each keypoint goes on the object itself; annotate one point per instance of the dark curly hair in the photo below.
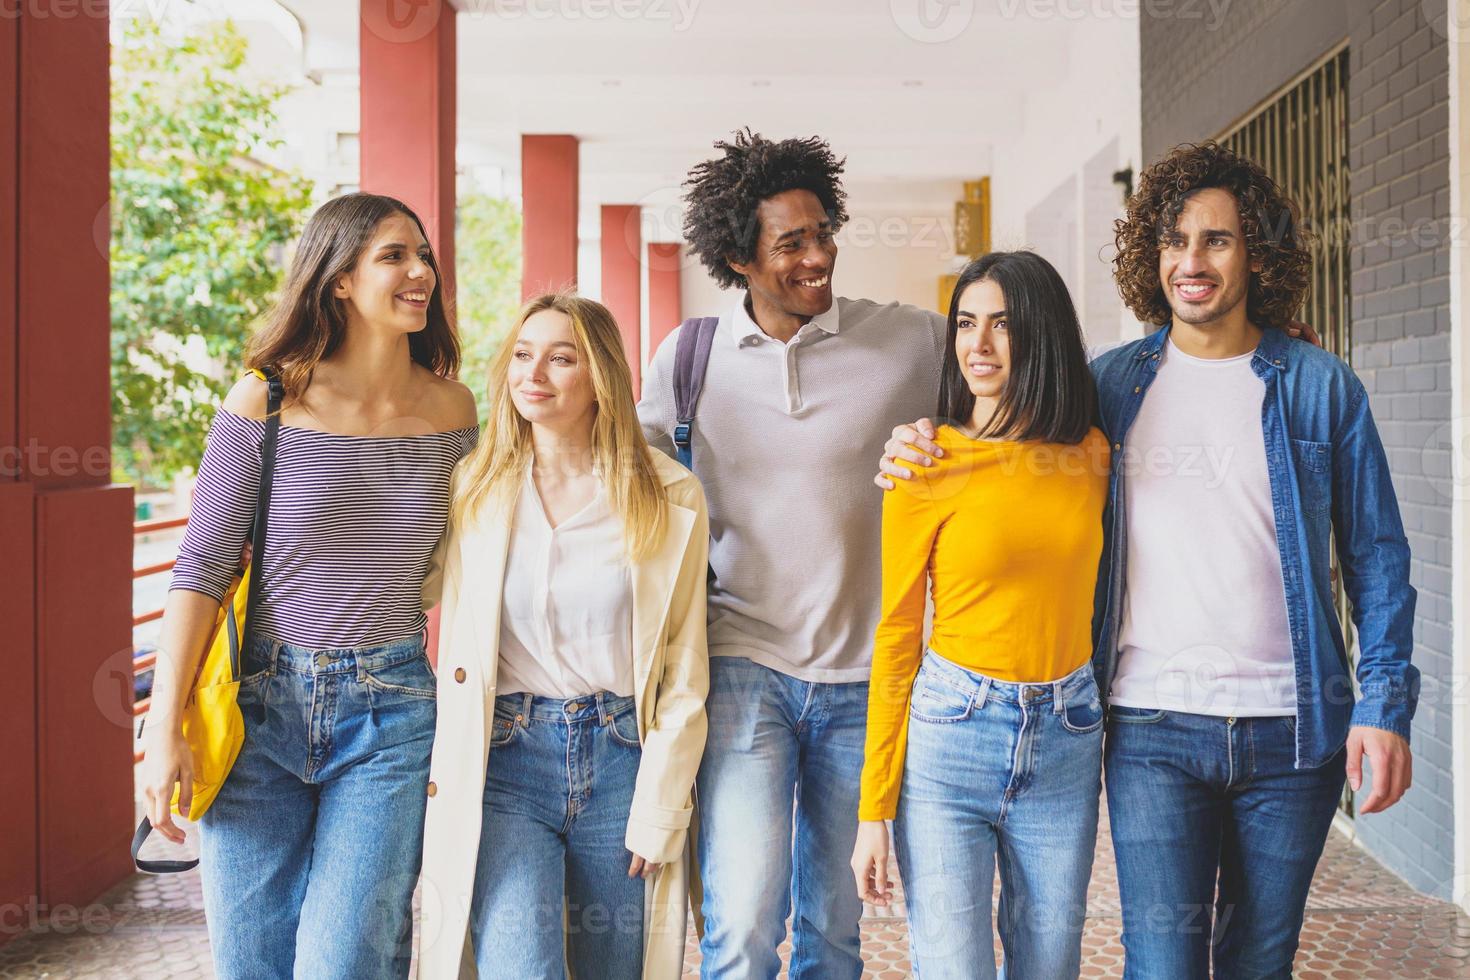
(722, 195)
(1274, 235)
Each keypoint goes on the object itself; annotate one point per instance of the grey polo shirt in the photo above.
(786, 442)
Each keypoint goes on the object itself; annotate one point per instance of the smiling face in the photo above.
(983, 346)
(1204, 268)
(393, 280)
(550, 382)
(791, 269)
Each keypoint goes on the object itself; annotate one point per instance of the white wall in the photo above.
(1459, 84)
(1051, 185)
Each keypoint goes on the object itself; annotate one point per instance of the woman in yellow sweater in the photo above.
(986, 748)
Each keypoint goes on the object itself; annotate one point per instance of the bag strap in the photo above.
(275, 394)
(691, 359)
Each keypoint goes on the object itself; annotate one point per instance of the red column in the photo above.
(66, 789)
(665, 308)
(622, 280)
(549, 169)
(408, 86)
(408, 83)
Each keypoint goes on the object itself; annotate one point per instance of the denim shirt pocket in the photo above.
(1314, 474)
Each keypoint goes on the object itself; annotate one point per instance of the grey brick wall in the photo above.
(1195, 82)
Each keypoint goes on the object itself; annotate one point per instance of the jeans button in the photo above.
(322, 661)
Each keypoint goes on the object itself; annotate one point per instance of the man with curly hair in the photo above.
(1232, 719)
(1238, 455)
(800, 391)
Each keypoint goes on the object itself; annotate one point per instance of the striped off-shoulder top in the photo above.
(354, 521)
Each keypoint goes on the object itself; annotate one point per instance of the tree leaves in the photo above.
(198, 226)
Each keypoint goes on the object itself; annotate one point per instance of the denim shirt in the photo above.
(1328, 474)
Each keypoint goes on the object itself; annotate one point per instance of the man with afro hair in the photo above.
(800, 392)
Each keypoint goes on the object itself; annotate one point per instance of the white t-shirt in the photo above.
(566, 626)
(1204, 625)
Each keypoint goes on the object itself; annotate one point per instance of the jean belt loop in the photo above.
(525, 711)
(984, 693)
(601, 709)
(1058, 696)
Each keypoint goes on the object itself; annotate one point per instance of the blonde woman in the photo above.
(572, 674)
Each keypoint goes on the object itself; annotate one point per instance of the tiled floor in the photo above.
(1362, 923)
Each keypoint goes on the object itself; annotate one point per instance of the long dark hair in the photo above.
(308, 323)
(1050, 395)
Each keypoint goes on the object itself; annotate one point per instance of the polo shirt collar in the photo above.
(745, 331)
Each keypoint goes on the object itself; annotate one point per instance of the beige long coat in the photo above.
(671, 680)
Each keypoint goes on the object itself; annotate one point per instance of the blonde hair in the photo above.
(619, 451)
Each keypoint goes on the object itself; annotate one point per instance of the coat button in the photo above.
(1117, 446)
(432, 788)
(459, 675)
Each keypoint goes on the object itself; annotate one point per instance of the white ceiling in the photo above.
(914, 113)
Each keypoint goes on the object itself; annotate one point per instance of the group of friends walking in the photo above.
(731, 685)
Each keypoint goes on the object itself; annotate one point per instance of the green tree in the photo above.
(199, 233)
(487, 242)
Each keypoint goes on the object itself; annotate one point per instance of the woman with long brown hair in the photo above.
(311, 850)
(573, 646)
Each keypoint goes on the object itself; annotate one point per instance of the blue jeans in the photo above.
(1195, 798)
(558, 790)
(311, 850)
(1007, 774)
(778, 744)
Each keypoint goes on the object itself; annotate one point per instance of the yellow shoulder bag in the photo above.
(212, 723)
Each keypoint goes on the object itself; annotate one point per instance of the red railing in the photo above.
(147, 661)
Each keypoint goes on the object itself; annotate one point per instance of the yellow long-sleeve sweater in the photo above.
(1011, 534)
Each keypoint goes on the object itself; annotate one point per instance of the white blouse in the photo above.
(567, 607)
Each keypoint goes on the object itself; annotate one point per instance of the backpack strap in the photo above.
(691, 358)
